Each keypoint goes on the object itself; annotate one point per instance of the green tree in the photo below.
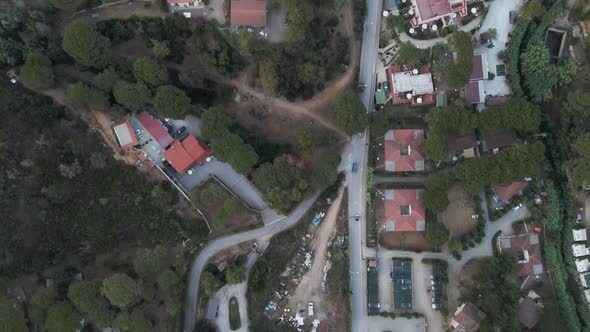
(86, 97)
(349, 112)
(408, 54)
(437, 233)
(37, 71)
(67, 5)
(42, 299)
(434, 197)
(460, 72)
(299, 14)
(106, 79)
(168, 281)
(148, 70)
(307, 141)
(239, 155)
(132, 96)
(62, 317)
(160, 49)
(260, 275)
(532, 9)
(86, 297)
(235, 274)
(12, 317)
(283, 185)
(134, 321)
(325, 173)
(269, 79)
(210, 283)
(214, 124)
(309, 73)
(148, 261)
(575, 115)
(121, 290)
(162, 4)
(455, 245)
(82, 41)
(578, 167)
(172, 102)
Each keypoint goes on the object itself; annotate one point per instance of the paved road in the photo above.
(221, 243)
(370, 45)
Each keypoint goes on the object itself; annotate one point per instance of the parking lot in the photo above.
(402, 284)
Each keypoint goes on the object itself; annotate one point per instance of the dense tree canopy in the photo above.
(106, 79)
(496, 279)
(172, 102)
(86, 97)
(326, 173)
(299, 15)
(235, 274)
(268, 77)
(160, 49)
(37, 71)
(42, 299)
(578, 167)
(62, 317)
(121, 290)
(132, 96)
(168, 281)
(460, 72)
(82, 41)
(307, 141)
(231, 148)
(68, 5)
(408, 54)
(134, 321)
(209, 283)
(12, 317)
(437, 233)
(349, 112)
(434, 197)
(86, 297)
(148, 261)
(282, 185)
(533, 8)
(148, 70)
(214, 124)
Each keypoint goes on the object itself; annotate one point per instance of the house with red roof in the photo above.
(155, 128)
(426, 11)
(411, 84)
(248, 13)
(467, 318)
(125, 134)
(474, 90)
(404, 211)
(183, 155)
(526, 249)
(403, 150)
(503, 194)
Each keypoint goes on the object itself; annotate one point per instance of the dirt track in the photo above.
(309, 289)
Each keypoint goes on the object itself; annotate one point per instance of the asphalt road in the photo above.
(221, 243)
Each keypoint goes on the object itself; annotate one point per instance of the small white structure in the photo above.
(385, 13)
(434, 27)
(587, 295)
(582, 265)
(580, 250)
(585, 279)
(580, 234)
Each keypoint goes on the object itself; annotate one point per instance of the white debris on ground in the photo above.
(314, 325)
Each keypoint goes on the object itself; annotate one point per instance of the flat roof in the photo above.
(125, 134)
(402, 284)
(416, 84)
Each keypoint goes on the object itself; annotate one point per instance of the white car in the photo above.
(310, 309)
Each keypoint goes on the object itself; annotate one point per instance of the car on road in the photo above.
(379, 86)
(357, 217)
(310, 309)
(579, 218)
(355, 167)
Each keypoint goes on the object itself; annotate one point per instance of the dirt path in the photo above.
(309, 289)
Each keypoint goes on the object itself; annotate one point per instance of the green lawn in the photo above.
(234, 314)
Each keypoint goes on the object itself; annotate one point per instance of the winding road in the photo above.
(221, 243)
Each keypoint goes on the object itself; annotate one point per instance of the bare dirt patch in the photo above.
(457, 282)
(458, 215)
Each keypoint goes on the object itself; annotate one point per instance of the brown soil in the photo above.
(456, 283)
(458, 215)
(309, 289)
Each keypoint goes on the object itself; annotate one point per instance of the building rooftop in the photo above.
(580, 250)
(404, 210)
(506, 193)
(582, 265)
(156, 129)
(125, 134)
(403, 150)
(526, 250)
(464, 145)
(248, 13)
(198, 150)
(499, 139)
(580, 234)
(479, 69)
(467, 317)
(585, 279)
(416, 84)
(178, 157)
(474, 92)
(430, 10)
(529, 313)
(411, 84)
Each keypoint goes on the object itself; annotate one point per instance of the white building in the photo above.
(580, 250)
(580, 234)
(583, 265)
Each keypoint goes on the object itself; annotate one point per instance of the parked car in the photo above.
(517, 207)
(513, 16)
(385, 85)
(181, 130)
(355, 167)
(310, 309)
(579, 218)
(379, 86)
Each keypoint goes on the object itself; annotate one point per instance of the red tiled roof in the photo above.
(477, 68)
(527, 246)
(506, 193)
(472, 92)
(403, 150)
(249, 13)
(125, 134)
(432, 8)
(197, 150)
(469, 317)
(394, 200)
(155, 128)
(178, 157)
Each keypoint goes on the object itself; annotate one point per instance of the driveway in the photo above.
(497, 18)
(200, 261)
